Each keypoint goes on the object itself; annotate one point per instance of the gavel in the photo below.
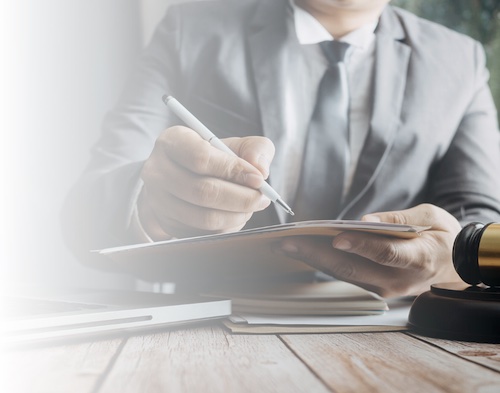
(476, 254)
(469, 310)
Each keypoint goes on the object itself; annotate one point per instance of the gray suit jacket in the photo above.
(433, 133)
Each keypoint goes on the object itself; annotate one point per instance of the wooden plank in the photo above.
(209, 359)
(65, 368)
(389, 362)
(486, 354)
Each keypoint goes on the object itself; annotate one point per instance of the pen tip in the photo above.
(165, 98)
(285, 207)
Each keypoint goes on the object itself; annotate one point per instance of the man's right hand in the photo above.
(192, 188)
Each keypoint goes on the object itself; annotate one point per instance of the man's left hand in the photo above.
(386, 265)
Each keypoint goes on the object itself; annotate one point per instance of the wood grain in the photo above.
(485, 354)
(209, 359)
(389, 362)
(61, 368)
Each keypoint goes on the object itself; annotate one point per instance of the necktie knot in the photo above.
(335, 51)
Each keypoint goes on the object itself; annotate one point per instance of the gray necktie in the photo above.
(326, 154)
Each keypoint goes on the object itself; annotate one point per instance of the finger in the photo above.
(257, 150)
(208, 192)
(392, 252)
(319, 254)
(181, 230)
(189, 150)
(424, 214)
(174, 213)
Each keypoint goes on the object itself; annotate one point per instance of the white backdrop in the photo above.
(63, 65)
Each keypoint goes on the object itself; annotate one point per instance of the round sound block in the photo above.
(457, 311)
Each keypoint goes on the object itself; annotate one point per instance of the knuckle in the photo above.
(174, 133)
(400, 256)
(399, 218)
(430, 213)
(246, 204)
(429, 208)
(167, 139)
(201, 161)
(205, 162)
(232, 170)
(250, 202)
(169, 144)
(206, 192)
(390, 255)
(228, 170)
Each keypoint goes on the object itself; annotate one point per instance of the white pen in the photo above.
(209, 136)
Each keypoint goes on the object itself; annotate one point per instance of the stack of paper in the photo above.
(315, 307)
(325, 298)
(393, 320)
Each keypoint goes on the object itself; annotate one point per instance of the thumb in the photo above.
(424, 215)
(257, 150)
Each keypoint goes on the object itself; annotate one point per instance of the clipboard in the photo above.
(244, 254)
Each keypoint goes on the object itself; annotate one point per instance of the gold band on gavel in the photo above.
(489, 248)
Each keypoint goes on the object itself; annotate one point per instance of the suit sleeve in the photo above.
(99, 207)
(466, 182)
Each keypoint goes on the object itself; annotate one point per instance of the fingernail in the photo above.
(343, 244)
(290, 248)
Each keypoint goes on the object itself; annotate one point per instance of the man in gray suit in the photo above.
(422, 142)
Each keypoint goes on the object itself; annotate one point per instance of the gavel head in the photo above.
(476, 254)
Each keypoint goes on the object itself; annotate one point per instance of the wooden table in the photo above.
(208, 358)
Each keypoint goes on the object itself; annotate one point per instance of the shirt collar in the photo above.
(310, 31)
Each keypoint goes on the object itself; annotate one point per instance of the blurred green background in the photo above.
(479, 19)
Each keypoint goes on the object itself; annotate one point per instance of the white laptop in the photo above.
(31, 318)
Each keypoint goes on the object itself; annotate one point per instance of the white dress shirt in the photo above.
(359, 71)
(360, 66)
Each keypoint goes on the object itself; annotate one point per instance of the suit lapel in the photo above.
(389, 82)
(273, 48)
(273, 64)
